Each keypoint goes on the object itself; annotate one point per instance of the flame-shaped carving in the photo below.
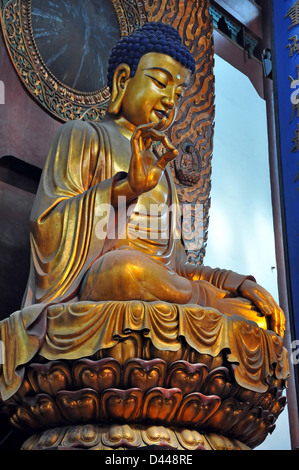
(195, 119)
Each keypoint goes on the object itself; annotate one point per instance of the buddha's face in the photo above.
(155, 91)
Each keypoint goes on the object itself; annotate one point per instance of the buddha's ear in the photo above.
(119, 85)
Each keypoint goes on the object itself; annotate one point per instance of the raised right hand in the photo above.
(145, 168)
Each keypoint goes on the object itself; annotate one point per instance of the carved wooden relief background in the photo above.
(192, 133)
(193, 130)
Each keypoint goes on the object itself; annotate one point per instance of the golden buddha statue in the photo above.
(96, 163)
(103, 263)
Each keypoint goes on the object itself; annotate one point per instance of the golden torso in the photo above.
(148, 227)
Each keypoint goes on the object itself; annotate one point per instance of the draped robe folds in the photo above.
(84, 163)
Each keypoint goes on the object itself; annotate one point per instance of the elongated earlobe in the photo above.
(119, 84)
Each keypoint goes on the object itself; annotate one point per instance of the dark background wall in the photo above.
(26, 132)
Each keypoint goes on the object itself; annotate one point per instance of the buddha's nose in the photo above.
(168, 100)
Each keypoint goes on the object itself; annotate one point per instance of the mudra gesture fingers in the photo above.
(145, 169)
(265, 303)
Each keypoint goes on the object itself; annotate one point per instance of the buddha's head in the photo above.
(148, 74)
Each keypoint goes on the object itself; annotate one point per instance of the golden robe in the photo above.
(85, 161)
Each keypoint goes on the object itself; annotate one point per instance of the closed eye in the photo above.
(157, 82)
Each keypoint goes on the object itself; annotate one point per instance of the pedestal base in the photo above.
(124, 436)
(127, 375)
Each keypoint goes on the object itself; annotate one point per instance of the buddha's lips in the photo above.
(161, 113)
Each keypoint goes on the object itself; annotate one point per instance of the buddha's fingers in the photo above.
(141, 129)
(277, 322)
(151, 131)
(167, 158)
(265, 303)
(141, 138)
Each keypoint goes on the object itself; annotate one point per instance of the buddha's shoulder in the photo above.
(104, 128)
(80, 125)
